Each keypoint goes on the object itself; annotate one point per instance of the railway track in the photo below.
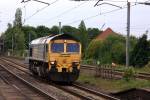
(85, 93)
(79, 91)
(117, 72)
(17, 88)
(95, 92)
(93, 67)
(49, 91)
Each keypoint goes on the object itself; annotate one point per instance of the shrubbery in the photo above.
(110, 50)
(140, 54)
(129, 74)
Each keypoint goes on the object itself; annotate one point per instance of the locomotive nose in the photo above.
(64, 61)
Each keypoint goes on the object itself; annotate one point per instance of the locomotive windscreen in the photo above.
(57, 47)
(72, 47)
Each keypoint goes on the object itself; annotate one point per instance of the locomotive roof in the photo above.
(46, 39)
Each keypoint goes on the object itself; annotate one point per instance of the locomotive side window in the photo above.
(57, 47)
(72, 47)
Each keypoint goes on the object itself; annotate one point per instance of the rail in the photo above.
(29, 84)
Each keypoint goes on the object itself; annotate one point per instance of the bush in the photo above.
(129, 74)
(89, 61)
(140, 53)
(148, 65)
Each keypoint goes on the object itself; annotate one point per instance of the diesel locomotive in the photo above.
(56, 58)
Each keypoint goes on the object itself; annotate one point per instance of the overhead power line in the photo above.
(109, 1)
(128, 25)
(35, 13)
(24, 1)
(90, 17)
(39, 10)
(107, 4)
(65, 12)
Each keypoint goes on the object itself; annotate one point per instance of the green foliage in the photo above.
(92, 33)
(18, 39)
(29, 30)
(140, 54)
(42, 31)
(14, 36)
(113, 49)
(54, 30)
(112, 85)
(93, 49)
(18, 18)
(83, 36)
(69, 30)
(8, 36)
(133, 42)
(89, 61)
(129, 74)
(148, 65)
(107, 51)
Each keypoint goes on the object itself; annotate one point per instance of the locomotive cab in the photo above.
(56, 57)
(64, 58)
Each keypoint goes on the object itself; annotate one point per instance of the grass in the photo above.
(145, 69)
(113, 85)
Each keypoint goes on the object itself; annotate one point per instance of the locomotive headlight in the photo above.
(75, 63)
(52, 62)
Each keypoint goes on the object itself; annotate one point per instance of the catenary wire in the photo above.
(39, 11)
(90, 17)
(65, 12)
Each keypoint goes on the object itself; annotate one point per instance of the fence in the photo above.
(104, 71)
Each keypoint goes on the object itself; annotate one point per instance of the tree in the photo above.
(19, 40)
(18, 34)
(29, 30)
(149, 52)
(92, 33)
(14, 34)
(54, 30)
(8, 37)
(112, 49)
(69, 30)
(92, 51)
(18, 18)
(42, 31)
(83, 36)
(140, 54)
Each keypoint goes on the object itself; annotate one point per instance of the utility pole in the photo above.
(128, 36)
(59, 27)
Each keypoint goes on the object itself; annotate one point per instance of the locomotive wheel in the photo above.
(38, 71)
(33, 69)
(30, 66)
(43, 71)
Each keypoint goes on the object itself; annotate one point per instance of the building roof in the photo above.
(105, 34)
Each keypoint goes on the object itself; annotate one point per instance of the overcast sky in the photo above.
(71, 13)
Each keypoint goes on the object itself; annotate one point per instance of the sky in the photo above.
(72, 12)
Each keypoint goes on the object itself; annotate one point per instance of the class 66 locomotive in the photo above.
(56, 58)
